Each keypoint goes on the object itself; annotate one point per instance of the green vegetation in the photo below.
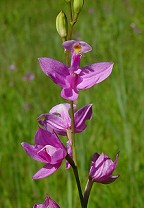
(115, 31)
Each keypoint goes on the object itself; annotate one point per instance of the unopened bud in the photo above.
(67, 0)
(77, 6)
(61, 24)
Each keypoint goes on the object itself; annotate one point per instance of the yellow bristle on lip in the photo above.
(77, 48)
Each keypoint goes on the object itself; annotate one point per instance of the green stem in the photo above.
(73, 132)
(75, 170)
(72, 23)
(70, 10)
(70, 31)
(70, 18)
(87, 192)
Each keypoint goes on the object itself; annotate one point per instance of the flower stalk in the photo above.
(87, 191)
(75, 170)
(73, 133)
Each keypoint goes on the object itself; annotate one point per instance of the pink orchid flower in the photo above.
(73, 78)
(48, 203)
(59, 119)
(102, 168)
(47, 149)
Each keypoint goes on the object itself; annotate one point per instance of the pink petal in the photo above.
(69, 94)
(58, 124)
(44, 137)
(62, 110)
(50, 203)
(52, 155)
(69, 45)
(111, 179)
(94, 74)
(46, 170)
(47, 203)
(56, 70)
(32, 150)
(102, 167)
(83, 114)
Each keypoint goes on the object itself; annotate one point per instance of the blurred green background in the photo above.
(115, 30)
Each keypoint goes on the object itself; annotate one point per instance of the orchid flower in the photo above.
(102, 168)
(47, 149)
(59, 119)
(73, 78)
(47, 203)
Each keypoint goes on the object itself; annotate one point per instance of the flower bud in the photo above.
(77, 6)
(61, 24)
(67, 1)
(102, 168)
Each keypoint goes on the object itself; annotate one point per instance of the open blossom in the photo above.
(47, 149)
(73, 78)
(59, 119)
(48, 203)
(102, 168)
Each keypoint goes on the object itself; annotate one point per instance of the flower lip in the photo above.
(78, 47)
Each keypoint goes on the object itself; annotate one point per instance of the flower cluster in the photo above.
(47, 146)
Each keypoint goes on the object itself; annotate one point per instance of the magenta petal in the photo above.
(46, 170)
(83, 114)
(50, 203)
(56, 70)
(102, 168)
(69, 45)
(62, 110)
(57, 119)
(95, 73)
(52, 155)
(69, 94)
(111, 179)
(32, 150)
(47, 203)
(44, 137)
(108, 163)
(57, 123)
